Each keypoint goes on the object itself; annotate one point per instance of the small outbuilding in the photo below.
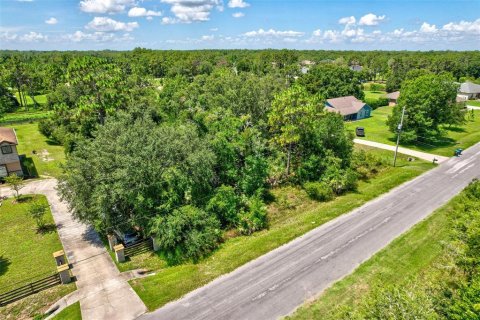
(349, 107)
(393, 98)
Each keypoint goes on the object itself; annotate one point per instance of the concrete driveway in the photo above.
(103, 293)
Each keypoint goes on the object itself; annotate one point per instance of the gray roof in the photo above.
(469, 87)
(345, 105)
(393, 95)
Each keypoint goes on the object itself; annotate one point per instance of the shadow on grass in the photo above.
(4, 263)
(48, 228)
(24, 198)
(28, 166)
(52, 142)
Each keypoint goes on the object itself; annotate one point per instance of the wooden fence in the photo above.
(139, 247)
(29, 289)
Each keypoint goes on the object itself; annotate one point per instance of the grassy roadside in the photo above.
(25, 256)
(48, 155)
(71, 312)
(460, 137)
(291, 215)
(407, 257)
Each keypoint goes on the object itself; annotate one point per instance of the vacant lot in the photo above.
(26, 255)
(291, 214)
(374, 94)
(45, 154)
(457, 137)
(406, 258)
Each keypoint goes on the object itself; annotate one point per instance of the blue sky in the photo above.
(251, 24)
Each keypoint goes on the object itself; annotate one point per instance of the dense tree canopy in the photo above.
(429, 102)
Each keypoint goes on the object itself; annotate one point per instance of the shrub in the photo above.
(46, 127)
(37, 211)
(342, 181)
(225, 204)
(376, 103)
(320, 191)
(366, 164)
(255, 218)
(187, 233)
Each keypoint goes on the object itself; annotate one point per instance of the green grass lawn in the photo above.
(291, 215)
(48, 155)
(26, 255)
(457, 137)
(71, 312)
(406, 258)
(374, 94)
(475, 103)
(25, 115)
(41, 99)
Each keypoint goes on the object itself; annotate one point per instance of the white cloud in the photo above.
(79, 36)
(208, 38)
(238, 15)
(7, 36)
(105, 6)
(33, 37)
(238, 4)
(317, 33)
(273, 33)
(142, 12)
(347, 20)
(371, 20)
(331, 35)
(214, 29)
(51, 20)
(428, 28)
(24, 0)
(188, 11)
(105, 24)
(463, 26)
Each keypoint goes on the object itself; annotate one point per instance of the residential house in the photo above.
(356, 67)
(349, 107)
(469, 91)
(9, 160)
(393, 98)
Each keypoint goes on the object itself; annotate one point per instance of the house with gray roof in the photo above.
(9, 160)
(349, 107)
(469, 91)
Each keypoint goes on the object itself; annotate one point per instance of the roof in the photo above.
(469, 87)
(346, 105)
(356, 67)
(393, 95)
(8, 135)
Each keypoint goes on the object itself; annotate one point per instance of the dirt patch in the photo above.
(45, 155)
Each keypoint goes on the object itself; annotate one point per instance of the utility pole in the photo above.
(399, 130)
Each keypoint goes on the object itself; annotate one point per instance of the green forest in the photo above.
(187, 145)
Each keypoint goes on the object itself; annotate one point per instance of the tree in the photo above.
(291, 115)
(187, 233)
(429, 102)
(37, 211)
(16, 183)
(332, 81)
(135, 170)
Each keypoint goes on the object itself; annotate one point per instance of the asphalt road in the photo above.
(278, 282)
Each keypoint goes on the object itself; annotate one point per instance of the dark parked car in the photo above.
(360, 132)
(127, 237)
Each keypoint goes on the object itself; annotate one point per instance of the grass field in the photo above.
(407, 257)
(291, 215)
(71, 312)
(24, 116)
(457, 137)
(26, 255)
(475, 103)
(41, 99)
(48, 155)
(374, 94)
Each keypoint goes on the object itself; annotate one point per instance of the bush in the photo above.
(187, 233)
(255, 218)
(225, 204)
(376, 103)
(320, 191)
(342, 181)
(366, 164)
(46, 127)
